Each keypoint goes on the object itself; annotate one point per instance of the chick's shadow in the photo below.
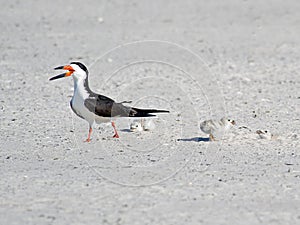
(195, 139)
(126, 130)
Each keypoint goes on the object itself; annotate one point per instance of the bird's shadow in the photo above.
(195, 139)
(126, 130)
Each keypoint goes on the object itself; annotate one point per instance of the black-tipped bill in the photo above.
(67, 74)
(59, 68)
(58, 76)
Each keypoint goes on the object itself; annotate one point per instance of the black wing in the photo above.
(106, 107)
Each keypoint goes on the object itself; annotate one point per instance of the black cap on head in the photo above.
(83, 67)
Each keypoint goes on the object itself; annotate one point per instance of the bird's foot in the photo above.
(212, 138)
(88, 140)
(116, 136)
(89, 135)
(115, 130)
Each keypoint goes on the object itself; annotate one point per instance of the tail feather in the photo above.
(135, 112)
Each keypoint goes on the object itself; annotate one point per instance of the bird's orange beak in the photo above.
(67, 74)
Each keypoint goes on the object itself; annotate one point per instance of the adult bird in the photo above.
(94, 107)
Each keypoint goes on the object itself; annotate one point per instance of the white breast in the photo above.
(79, 96)
(78, 104)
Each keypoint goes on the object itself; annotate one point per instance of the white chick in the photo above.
(216, 127)
(136, 126)
(148, 124)
(264, 134)
(142, 125)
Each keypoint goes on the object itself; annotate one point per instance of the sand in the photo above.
(206, 60)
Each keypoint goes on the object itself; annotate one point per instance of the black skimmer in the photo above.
(94, 107)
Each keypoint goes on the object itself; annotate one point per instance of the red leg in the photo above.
(116, 135)
(89, 135)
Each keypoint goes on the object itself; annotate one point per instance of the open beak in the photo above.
(67, 74)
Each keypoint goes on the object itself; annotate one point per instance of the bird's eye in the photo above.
(266, 131)
(228, 120)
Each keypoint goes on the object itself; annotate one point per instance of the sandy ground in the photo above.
(248, 69)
